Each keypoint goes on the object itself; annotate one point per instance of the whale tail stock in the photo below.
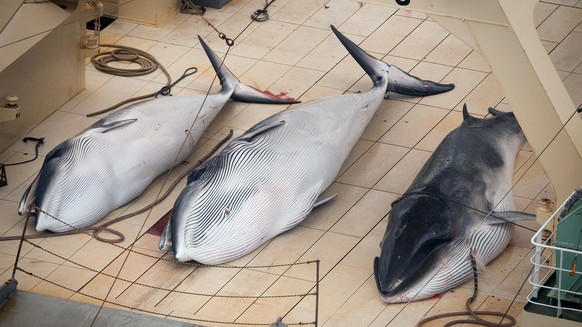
(398, 81)
(241, 92)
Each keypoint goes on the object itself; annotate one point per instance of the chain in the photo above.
(166, 289)
(222, 36)
(79, 230)
(156, 313)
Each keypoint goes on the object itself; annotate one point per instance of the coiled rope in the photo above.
(122, 53)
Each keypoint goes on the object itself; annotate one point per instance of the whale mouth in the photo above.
(376, 276)
(395, 287)
(391, 296)
(393, 284)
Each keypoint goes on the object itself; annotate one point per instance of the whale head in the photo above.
(418, 235)
(65, 187)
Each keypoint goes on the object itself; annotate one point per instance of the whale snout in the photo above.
(71, 196)
(379, 284)
(388, 293)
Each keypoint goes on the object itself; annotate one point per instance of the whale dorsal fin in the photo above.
(495, 112)
(467, 118)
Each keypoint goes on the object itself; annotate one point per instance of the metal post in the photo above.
(559, 311)
(3, 178)
(20, 244)
(316, 291)
(536, 275)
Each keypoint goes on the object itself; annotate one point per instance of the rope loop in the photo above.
(147, 63)
(260, 15)
(120, 237)
(124, 55)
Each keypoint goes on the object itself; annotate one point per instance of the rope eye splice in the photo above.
(166, 90)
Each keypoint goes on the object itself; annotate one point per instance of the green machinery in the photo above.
(569, 236)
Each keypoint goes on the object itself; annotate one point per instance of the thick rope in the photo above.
(122, 53)
(104, 227)
(477, 320)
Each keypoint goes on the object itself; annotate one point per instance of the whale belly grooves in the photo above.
(269, 179)
(139, 143)
(253, 180)
(278, 168)
(484, 244)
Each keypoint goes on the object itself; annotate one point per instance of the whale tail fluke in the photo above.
(241, 92)
(396, 79)
(403, 83)
(375, 68)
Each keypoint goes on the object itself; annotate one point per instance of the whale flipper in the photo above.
(166, 238)
(324, 201)
(508, 217)
(253, 133)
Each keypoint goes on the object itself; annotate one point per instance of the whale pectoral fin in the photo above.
(248, 136)
(166, 238)
(117, 124)
(324, 201)
(28, 197)
(508, 217)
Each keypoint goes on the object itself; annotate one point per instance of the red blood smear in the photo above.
(438, 296)
(281, 95)
(158, 227)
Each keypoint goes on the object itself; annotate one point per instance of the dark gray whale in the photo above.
(441, 220)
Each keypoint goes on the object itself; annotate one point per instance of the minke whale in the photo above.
(442, 219)
(115, 159)
(269, 179)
